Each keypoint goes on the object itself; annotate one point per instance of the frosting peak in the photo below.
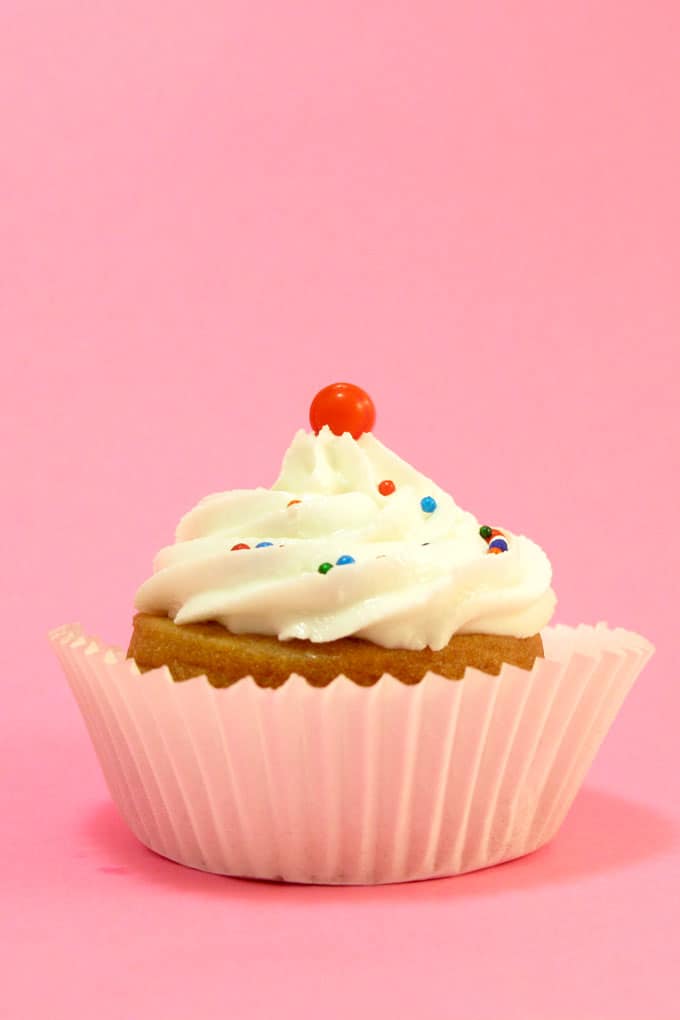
(415, 569)
(332, 464)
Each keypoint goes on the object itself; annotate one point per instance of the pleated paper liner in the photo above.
(347, 784)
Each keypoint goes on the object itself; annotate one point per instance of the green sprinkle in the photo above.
(485, 532)
(325, 567)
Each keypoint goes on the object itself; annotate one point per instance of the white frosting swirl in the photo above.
(418, 578)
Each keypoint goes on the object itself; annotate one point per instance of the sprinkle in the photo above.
(343, 408)
(344, 560)
(323, 568)
(293, 502)
(386, 487)
(263, 545)
(428, 504)
(240, 545)
(424, 543)
(494, 538)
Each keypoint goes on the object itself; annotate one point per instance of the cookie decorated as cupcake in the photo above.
(353, 563)
(347, 677)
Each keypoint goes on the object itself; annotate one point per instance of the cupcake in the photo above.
(347, 677)
(353, 563)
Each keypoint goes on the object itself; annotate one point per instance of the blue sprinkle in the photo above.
(343, 560)
(428, 504)
(261, 545)
(498, 543)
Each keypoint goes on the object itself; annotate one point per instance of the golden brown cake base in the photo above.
(194, 649)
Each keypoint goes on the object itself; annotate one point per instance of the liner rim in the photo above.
(628, 642)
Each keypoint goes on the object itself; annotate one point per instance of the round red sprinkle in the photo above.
(293, 502)
(386, 487)
(495, 532)
(344, 408)
(239, 545)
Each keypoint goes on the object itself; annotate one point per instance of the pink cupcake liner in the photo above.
(346, 784)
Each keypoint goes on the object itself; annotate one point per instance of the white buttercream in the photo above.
(399, 592)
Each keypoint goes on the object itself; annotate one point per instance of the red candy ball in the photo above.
(344, 408)
(387, 487)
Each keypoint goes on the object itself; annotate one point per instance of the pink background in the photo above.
(210, 210)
